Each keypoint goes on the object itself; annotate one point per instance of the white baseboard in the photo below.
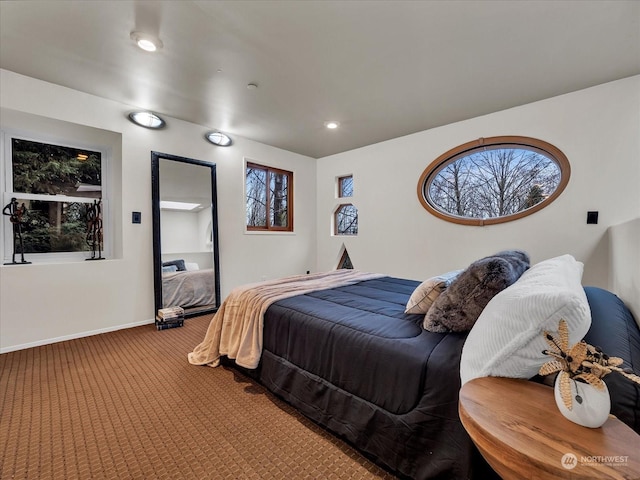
(48, 341)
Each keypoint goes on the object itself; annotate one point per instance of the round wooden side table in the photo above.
(519, 430)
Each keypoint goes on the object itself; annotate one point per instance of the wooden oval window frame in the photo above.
(527, 143)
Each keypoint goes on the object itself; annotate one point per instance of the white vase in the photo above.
(590, 406)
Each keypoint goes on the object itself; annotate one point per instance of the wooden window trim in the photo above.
(289, 175)
(529, 143)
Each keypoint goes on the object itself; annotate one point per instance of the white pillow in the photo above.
(190, 267)
(507, 341)
(426, 293)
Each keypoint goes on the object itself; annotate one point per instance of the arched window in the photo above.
(493, 180)
(346, 220)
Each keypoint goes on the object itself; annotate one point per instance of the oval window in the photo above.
(493, 180)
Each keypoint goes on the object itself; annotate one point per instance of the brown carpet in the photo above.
(127, 405)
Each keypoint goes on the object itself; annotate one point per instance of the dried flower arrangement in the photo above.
(582, 362)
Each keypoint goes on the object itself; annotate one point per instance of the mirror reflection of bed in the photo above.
(187, 237)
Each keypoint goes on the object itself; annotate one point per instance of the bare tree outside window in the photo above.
(269, 194)
(495, 182)
(346, 220)
(345, 186)
(256, 197)
(345, 262)
(278, 187)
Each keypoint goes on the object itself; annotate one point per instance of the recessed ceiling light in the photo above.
(332, 125)
(252, 86)
(147, 120)
(146, 41)
(218, 138)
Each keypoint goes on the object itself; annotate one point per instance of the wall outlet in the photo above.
(592, 217)
(136, 217)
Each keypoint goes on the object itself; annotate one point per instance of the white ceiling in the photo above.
(383, 69)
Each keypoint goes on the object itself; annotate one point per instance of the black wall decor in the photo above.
(16, 212)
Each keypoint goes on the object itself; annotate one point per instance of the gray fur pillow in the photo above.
(460, 305)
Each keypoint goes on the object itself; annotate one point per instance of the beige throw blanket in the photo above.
(236, 328)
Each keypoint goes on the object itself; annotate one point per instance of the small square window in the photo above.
(345, 186)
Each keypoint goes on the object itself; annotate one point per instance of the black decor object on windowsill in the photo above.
(94, 230)
(15, 214)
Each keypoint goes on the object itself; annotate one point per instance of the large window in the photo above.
(55, 194)
(269, 198)
(493, 180)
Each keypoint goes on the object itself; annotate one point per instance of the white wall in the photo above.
(179, 231)
(43, 303)
(599, 131)
(624, 264)
(184, 236)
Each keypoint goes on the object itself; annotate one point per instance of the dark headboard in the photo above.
(614, 329)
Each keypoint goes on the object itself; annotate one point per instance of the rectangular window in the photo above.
(269, 198)
(52, 201)
(345, 186)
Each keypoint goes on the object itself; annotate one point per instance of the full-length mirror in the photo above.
(185, 234)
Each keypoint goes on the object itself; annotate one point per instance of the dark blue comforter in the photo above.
(359, 339)
(352, 360)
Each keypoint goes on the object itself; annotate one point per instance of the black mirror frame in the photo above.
(155, 212)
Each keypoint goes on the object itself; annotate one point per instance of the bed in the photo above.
(188, 289)
(351, 359)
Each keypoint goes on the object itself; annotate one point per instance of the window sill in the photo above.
(57, 261)
(267, 232)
